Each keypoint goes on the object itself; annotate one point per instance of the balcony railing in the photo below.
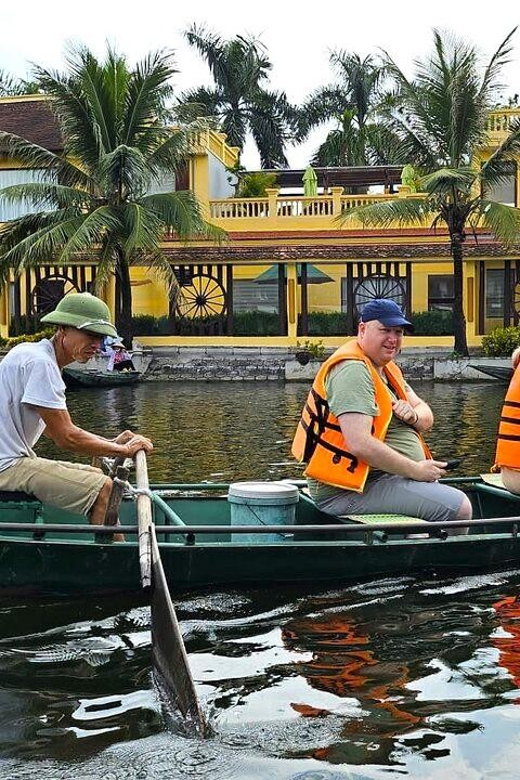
(294, 211)
(500, 122)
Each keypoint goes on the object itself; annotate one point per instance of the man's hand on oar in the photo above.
(135, 440)
(136, 443)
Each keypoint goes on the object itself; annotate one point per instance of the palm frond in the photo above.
(444, 180)
(45, 195)
(180, 212)
(143, 228)
(502, 220)
(402, 211)
(148, 90)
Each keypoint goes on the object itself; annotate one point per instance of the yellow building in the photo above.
(287, 268)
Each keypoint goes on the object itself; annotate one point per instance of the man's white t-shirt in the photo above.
(29, 376)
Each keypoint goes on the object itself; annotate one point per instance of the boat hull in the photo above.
(62, 562)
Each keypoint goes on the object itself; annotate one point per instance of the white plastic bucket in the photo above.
(262, 503)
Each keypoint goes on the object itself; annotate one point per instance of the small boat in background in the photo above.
(502, 372)
(92, 378)
(96, 374)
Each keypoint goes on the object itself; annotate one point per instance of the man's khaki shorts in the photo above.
(70, 486)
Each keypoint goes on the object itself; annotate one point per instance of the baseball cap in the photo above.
(387, 312)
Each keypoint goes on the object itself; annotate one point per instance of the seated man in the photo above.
(507, 455)
(32, 402)
(360, 431)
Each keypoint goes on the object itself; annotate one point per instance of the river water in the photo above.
(405, 677)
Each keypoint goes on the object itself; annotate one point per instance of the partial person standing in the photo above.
(507, 454)
(32, 403)
(360, 432)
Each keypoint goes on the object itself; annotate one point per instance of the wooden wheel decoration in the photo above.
(203, 297)
(380, 286)
(49, 291)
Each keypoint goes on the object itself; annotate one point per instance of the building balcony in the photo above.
(278, 212)
(499, 124)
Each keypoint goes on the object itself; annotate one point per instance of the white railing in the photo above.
(239, 208)
(500, 122)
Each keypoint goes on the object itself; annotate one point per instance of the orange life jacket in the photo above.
(508, 439)
(319, 440)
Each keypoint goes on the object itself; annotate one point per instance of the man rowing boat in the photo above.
(32, 402)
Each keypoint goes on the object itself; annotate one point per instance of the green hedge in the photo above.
(262, 323)
(501, 342)
(48, 333)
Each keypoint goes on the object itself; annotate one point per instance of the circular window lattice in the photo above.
(381, 286)
(49, 291)
(203, 297)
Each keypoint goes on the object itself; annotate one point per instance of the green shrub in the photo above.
(254, 185)
(26, 325)
(315, 349)
(327, 323)
(144, 325)
(501, 342)
(256, 323)
(432, 323)
(12, 341)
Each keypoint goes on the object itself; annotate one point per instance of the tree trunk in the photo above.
(123, 299)
(459, 321)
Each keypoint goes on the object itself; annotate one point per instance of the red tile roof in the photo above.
(32, 119)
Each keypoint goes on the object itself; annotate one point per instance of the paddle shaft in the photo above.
(144, 519)
(169, 653)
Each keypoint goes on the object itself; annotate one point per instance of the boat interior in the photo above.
(180, 507)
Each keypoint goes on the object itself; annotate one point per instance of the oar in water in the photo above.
(169, 654)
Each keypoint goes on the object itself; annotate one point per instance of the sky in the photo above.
(299, 37)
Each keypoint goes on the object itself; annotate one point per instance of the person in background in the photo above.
(507, 454)
(118, 358)
(32, 403)
(360, 431)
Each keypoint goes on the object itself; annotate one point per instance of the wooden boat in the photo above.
(46, 550)
(92, 378)
(501, 372)
(95, 373)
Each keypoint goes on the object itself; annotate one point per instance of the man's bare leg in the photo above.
(511, 479)
(99, 509)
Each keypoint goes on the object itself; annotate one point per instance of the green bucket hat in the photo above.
(84, 312)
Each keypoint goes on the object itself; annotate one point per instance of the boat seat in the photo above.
(401, 519)
(495, 480)
(21, 502)
(16, 496)
(368, 519)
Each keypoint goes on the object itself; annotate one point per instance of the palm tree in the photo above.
(359, 137)
(440, 118)
(240, 99)
(10, 85)
(98, 196)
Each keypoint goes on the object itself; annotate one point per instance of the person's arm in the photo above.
(414, 411)
(60, 428)
(356, 430)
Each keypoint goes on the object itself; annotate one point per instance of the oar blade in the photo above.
(169, 654)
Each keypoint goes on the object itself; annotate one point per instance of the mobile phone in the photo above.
(453, 464)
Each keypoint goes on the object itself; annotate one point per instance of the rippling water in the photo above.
(398, 677)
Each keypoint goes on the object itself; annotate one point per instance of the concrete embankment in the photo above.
(236, 364)
(260, 364)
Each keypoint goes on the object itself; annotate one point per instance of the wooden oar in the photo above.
(168, 651)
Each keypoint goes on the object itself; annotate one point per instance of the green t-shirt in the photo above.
(350, 388)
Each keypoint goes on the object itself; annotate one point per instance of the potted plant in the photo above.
(309, 350)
